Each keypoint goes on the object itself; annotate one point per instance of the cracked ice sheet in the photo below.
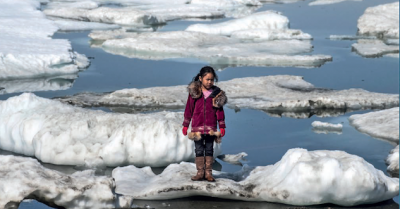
(301, 177)
(282, 92)
(26, 49)
(215, 49)
(23, 177)
(381, 21)
(56, 83)
(374, 48)
(65, 135)
(393, 161)
(382, 124)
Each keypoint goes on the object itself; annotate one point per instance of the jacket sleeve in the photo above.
(221, 117)
(188, 111)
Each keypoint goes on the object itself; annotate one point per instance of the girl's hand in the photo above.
(184, 130)
(222, 132)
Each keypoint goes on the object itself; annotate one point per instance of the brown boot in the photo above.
(209, 162)
(200, 169)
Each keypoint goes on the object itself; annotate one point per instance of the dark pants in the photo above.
(205, 146)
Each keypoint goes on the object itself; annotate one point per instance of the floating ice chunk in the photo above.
(280, 93)
(25, 47)
(279, 1)
(393, 161)
(392, 55)
(111, 34)
(325, 2)
(226, 3)
(214, 49)
(262, 20)
(392, 41)
(123, 16)
(23, 177)
(233, 159)
(266, 34)
(381, 21)
(61, 134)
(56, 83)
(301, 177)
(350, 37)
(322, 127)
(67, 25)
(185, 11)
(382, 124)
(374, 48)
(143, 2)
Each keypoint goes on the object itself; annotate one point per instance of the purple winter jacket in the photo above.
(204, 113)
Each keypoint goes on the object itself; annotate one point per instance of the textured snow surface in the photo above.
(23, 177)
(374, 48)
(270, 20)
(382, 21)
(26, 49)
(61, 134)
(382, 124)
(214, 49)
(282, 92)
(325, 2)
(393, 161)
(301, 177)
(56, 83)
(325, 128)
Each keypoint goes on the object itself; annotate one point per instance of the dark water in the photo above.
(264, 138)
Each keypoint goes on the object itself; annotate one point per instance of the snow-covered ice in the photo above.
(326, 2)
(393, 161)
(281, 92)
(25, 178)
(374, 48)
(214, 49)
(26, 49)
(270, 20)
(61, 134)
(233, 159)
(381, 21)
(323, 127)
(68, 25)
(54, 83)
(383, 124)
(301, 177)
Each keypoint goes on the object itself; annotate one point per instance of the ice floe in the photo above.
(270, 20)
(26, 49)
(215, 49)
(67, 25)
(25, 178)
(54, 83)
(233, 159)
(374, 48)
(322, 127)
(393, 162)
(381, 21)
(279, 93)
(301, 177)
(325, 2)
(62, 134)
(383, 124)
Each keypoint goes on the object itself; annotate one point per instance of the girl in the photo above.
(205, 107)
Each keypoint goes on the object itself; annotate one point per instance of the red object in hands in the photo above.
(184, 130)
(222, 132)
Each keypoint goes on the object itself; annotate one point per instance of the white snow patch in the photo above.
(322, 127)
(281, 92)
(381, 21)
(266, 34)
(393, 160)
(262, 20)
(382, 124)
(374, 48)
(73, 4)
(65, 135)
(301, 177)
(26, 49)
(25, 178)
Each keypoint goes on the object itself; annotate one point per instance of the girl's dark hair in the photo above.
(204, 71)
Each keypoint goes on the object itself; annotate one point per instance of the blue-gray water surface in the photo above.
(263, 137)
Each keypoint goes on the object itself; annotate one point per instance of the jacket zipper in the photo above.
(204, 109)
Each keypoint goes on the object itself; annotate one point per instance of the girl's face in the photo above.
(207, 80)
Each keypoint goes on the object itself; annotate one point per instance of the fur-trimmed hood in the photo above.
(219, 97)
